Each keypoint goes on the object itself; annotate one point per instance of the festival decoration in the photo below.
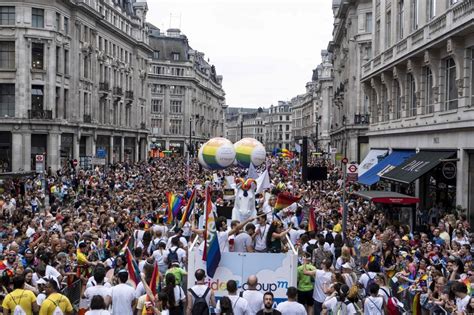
(244, 205)
(285, 200)
(212, 252)
(249, 150)
(217, 153)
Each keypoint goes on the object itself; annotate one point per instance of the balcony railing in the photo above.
(129, 94)
(40, 114)
(87, 119)
(104, 86)
(118, 91)
(361, 119)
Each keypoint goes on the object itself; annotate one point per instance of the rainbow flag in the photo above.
(174, 202)
(285, 200)
(287, 153)
(132, 267)
(416, 307)
(311, 221)
(189, 207)
(212, 252)
(155, 276)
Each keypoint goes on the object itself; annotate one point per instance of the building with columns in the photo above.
(350, 48)
(278, 127)
(187, 102)
(72, 81)
(420, 86)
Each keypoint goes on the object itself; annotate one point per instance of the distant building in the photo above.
(245, 123)
(278, 127)
(186, 96)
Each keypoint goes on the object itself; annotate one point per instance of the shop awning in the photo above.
(370, 160)
(387, 197)
(417, 166)
(394, 159)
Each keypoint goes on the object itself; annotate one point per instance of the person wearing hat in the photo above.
(123, 295)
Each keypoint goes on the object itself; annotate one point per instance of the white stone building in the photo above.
(72, 81)
(278, 127)
(187, 99)
(420, 83)
(245, 123)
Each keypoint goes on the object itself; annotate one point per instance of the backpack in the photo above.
(200, 306)
(18, 309)
(369, 284)
(392, 304)
(341, 308)
(57, 309)
(173, 255)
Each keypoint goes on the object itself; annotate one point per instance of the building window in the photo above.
(58, 22)
(411, 86)
(156, 54)
(157, 88)
(388, 29)
(431, 9)
(368, 22)
(176, 90)
(472, 76)
(7, 100)
(66, 61)
(65, 99)
(66, 25)
(414, 15)
(37, 97)
(397, 111)
(400, 18)
(175, 126)
(37, 56)
(7, 55)
(377, 38)
(175, 56)
(7, 15)
(37, 18)
(451, 89)
(58, 59)
(175, 107)
(156, 106)
(429, 96)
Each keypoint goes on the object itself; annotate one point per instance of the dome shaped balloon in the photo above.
(249, 150)
(217, 153)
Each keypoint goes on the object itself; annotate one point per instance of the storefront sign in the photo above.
(449, 170)
(101, 153)
(352, 172)
(39, 159)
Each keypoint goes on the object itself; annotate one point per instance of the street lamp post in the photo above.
(190, 136)
(241, 128)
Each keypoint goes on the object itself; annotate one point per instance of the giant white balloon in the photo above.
(217, 153)
(249, 150)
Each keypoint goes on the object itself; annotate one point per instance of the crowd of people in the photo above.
(64, 235)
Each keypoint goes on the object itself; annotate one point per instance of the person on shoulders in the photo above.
(268, 305)
(19, 298)
(291, 307)
(54, 300)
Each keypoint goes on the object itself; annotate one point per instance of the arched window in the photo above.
(384, 101)
(411, 89)
(451, 89)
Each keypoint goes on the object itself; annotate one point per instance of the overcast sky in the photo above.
(265, 49)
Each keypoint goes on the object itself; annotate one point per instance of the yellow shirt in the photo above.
(21, 297)
(81, 258)
(54, 300)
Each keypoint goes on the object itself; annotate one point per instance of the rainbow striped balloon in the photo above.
(217, 153)
(249, 150)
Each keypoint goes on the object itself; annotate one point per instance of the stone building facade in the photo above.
(350, 48)
(186, 95)
(278, 127)
(72, 81)
(245, 123)
(420, 86)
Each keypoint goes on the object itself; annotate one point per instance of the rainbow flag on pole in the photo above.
(212, 252)
(189, 207)
(132, 267)
(285, 200)
(174, 202)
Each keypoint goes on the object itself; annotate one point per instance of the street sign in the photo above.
(101, 153)
(97, 161)
(39, 165)
(344, 160)
(333, 150)
(352, 172)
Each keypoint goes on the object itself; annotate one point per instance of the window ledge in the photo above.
(448, 112)
(7, 70)
(427, 115)
(38, 70)
(410, 118)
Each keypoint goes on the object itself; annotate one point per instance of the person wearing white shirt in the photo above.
(123, 295)
(253, 297)
(160, 256)
(322, 278)
(174, 248)
(291, 307)
(374, 304)
(243, 242)
(180, 237)
(260, 236)
(240, 305)
(99, 288)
